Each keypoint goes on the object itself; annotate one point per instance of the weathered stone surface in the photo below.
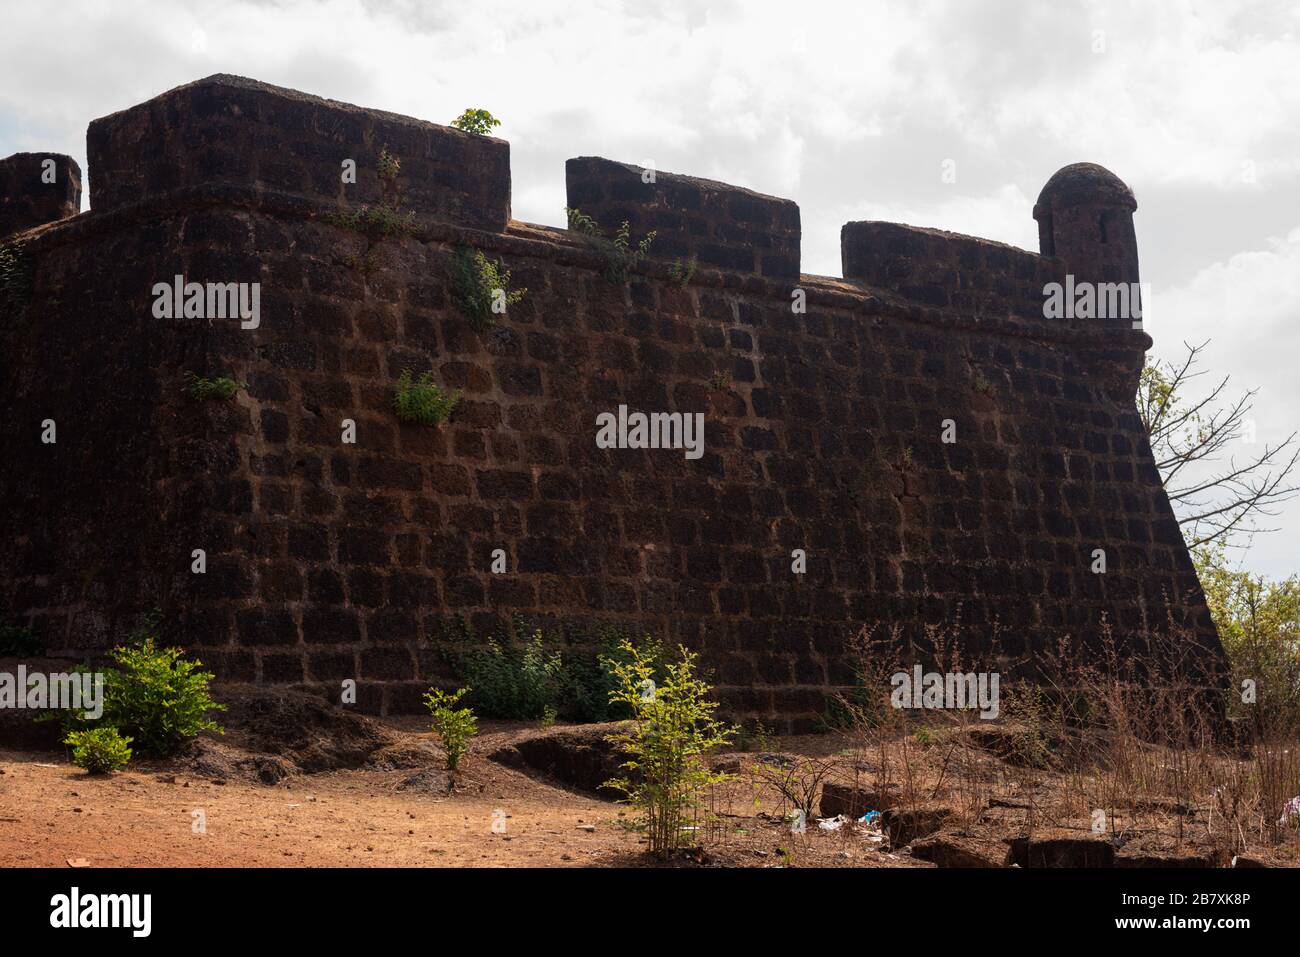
(37, 188)
(233, 130)
(719, 226)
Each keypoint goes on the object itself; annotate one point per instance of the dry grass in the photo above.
(1111, 738)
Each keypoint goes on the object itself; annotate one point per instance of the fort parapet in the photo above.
(826, 405)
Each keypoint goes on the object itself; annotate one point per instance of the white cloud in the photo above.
(1248, 309)
(847, 109)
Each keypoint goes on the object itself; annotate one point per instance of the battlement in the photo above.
(945, 269)
(231, 130)
(716, 225)
(36, 189)
(917, 444)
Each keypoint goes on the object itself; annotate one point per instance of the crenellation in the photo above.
(36, 189)
(713, 224)
(231, 130)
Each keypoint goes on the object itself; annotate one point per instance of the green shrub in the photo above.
(419, 400)
(453, 726)
(619, 253)
(590, 679)
(202, 389)
(20, 641)
(513, 681)
(478, 122)
(671, 731)
(376, 222)
(99, 750)
(155, 695)
(386, 219)
(481, 288)
(569, 672)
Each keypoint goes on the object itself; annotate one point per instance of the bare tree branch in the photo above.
(1188, 439)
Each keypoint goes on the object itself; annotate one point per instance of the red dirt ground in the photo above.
(54, 815)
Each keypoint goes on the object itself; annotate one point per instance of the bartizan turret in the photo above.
(1085, 220)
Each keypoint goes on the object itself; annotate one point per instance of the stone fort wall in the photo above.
(326, 560)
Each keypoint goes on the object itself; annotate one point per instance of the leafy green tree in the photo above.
(671, 731)
(1259, 624)
(478, 122)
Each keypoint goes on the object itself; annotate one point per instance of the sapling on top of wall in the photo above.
(481, 288)
(418, 399)
(478, 122)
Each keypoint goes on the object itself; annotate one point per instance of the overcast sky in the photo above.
(848, 108)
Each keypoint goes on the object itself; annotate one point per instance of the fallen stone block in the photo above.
(1063, 849)
(905, 825)
(951, 849)
(854, 801)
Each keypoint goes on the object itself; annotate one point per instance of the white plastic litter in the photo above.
(1290, 812)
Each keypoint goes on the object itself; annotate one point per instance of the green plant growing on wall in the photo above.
(481, 288)
(671, 731)
(366, 263)
(420, 400)
(453, 726)
(526, 672)
(387, 167)
(99, 750)
(15, 280)
(620, 256)
(202, 389)
(19, 641)
(376, 223)
(514, 681)
(380, 222)
(478, 122)
(682, 272)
